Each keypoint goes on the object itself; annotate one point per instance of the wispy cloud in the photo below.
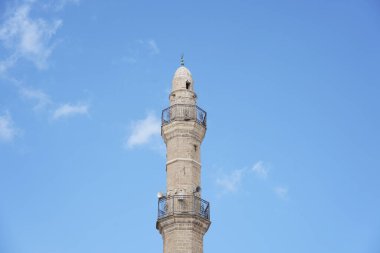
(26, 37)
(7, 64)
(235, 180)
(260, 169)
(143, 131)
(40, 98)
(58, 5)
(7, 129)
(230, 182)
(140, 49)
(281, 192)
(42, 101)
(69, 110)
(129, 59)
(152, 46)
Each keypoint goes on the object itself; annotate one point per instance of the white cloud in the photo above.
(27, 37)
(7, 63)
(41, 99)
(230, 182)
(152, 45)
(129, 59)
(233, 181)
(260, 169)
(7, 130)
(68, 110)
(140, 49)
(281, 192)
(58, 5)
(143, 131)
(149, 45)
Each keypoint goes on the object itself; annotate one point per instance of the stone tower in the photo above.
(183, 216)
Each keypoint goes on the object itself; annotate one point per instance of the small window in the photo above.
(187, 85)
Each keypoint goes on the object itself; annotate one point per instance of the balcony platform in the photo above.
(183, 204)
(184, 112)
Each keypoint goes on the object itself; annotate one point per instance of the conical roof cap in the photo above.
(182, 79)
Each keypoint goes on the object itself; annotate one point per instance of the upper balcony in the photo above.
(183, 112)
(183, 205)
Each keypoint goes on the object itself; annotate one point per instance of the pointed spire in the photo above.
(182, 61)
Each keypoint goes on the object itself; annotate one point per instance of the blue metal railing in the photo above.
(183, 112)
(183, 204)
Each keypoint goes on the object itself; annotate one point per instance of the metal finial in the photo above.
(182, 61)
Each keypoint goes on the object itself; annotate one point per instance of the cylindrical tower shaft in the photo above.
(183, 216)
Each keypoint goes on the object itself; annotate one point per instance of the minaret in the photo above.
(183, 216)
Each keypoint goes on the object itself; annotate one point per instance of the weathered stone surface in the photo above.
(183, 232)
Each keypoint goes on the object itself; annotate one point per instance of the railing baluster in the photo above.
(183, 204)
(183, 112)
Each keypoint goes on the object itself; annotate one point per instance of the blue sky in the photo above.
(290, 162)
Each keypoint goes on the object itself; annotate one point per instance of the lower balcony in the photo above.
(183, 204)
